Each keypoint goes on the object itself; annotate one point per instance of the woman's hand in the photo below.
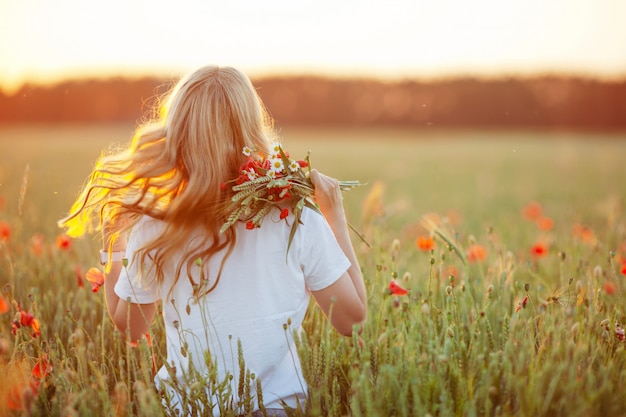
(328, 195)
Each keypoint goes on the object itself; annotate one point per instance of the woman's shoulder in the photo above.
(147, 225)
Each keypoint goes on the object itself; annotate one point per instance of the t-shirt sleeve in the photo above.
(323, 260)
(131, 284)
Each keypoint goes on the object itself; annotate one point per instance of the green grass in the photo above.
(452, 346)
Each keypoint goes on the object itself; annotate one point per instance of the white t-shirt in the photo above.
(261, 288)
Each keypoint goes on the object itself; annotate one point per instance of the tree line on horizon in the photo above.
(539, 102)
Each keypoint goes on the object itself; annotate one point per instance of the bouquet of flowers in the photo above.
(275, 182)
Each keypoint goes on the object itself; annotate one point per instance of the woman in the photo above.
(230, 300)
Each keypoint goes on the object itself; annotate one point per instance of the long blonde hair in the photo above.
(175, 167)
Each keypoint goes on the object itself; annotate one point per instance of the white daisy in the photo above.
(246, 151)
(294, 166)
(251, 173)
(275, 148)
(276, 165)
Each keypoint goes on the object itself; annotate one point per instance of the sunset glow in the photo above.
(48, 41)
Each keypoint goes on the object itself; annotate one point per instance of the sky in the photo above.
(45, 41)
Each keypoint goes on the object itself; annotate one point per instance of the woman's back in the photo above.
(261, 298)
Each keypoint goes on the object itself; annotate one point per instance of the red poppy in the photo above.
(79, 276)
(250, 225)
(35, 326)
(531, 211)
(42, 368)
(425, 243)
(19, 396)
(544, 223)
(584, 233)
(63, 242)
(397, 289)
(37, 244)
(96, 277)
(539, 250)
(4, 305)
(5, 231)
(303, 164)
(26, 319)
(623, 267)
(476, 253)
(610, 287)
(522, 304)
(284, 213)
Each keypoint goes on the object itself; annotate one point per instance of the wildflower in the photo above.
(277, 165)
(25, 319)
(42, 368)
(539, 250)
(294, 166)
(37, 244)
(21, 396)
(275, 148)
(79, 276)
(610, 287)
(544, 223)
(34, 325)
(284, 213)
(4, 305)
(532, 211)
(449, 271)
(522, 304)
(5, 231)
(425, 243)
(584, 234)
(63, 242)
(623, 270)
(476, 253)
(619, 333)
(263, 182)
(397, 289)
(96, 277)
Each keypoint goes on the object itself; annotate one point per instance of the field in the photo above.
(514, 307)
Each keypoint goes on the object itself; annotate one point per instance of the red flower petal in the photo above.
(531, 211)
(5, 231)
(284, 213)
(425, 243)
(26, 319)
(610, 287)
(397, 289)
(95, 276)
(4, 305)
(539, 249)
(63, 242)
(476, 253)
(42, 368)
